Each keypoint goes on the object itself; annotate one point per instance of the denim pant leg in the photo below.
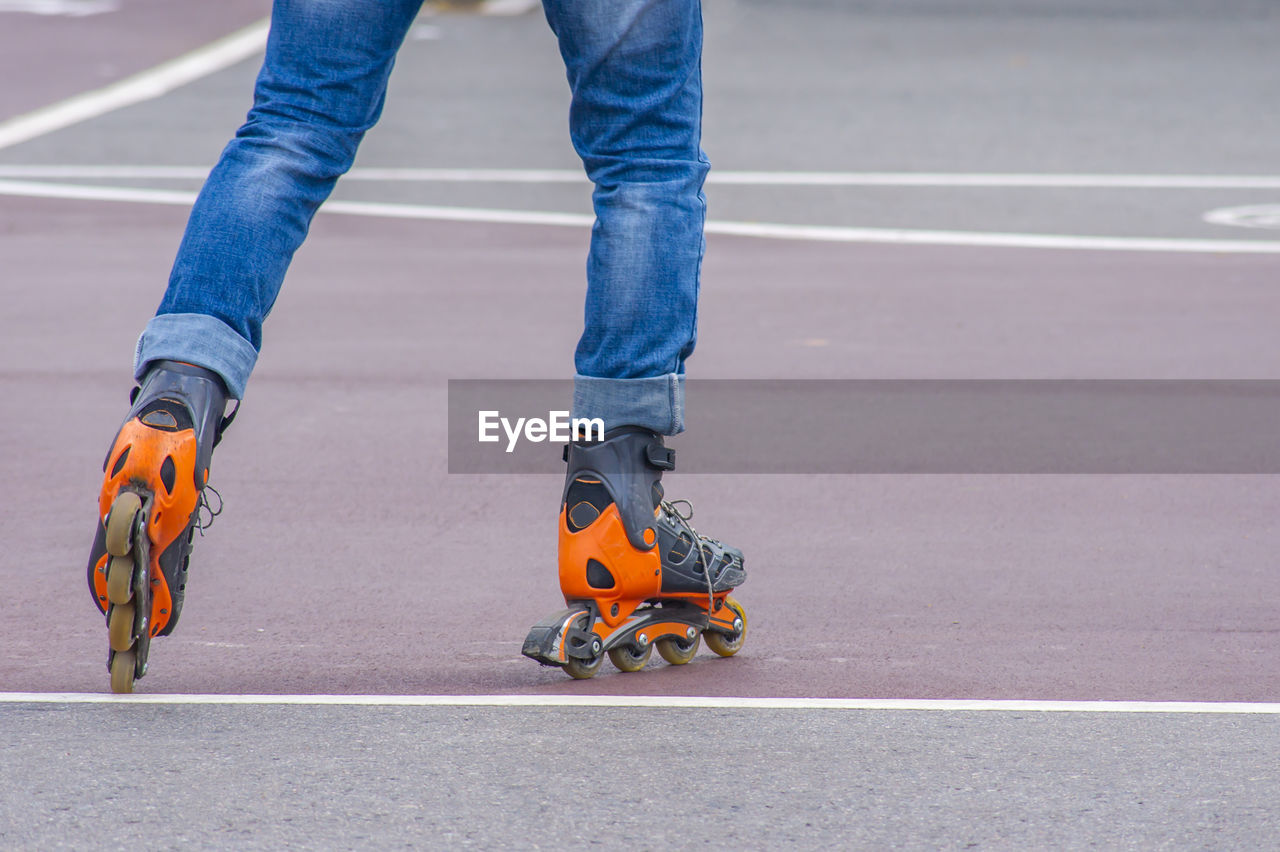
(634, 69)
(321, 88)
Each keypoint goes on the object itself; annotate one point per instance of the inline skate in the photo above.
(154, 485)
(634, 572)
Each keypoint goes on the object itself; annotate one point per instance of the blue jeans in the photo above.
(634, 69)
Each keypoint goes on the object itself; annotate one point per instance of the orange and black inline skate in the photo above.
(153, 492)
(634, 572)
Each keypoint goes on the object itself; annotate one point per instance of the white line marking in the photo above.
(504, 8)
(95, 193)
(459, 214)
(994, 239)
(146, 85)
(659, 701)
(66, 8)
(987, 179)
(105, 172)
(819, 179)
(819, 233)
(1253, 216)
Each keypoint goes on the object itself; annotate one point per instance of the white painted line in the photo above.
(105, 172)
(1253, 216)
(148, 84)
(504, 8)
(738, 178)
(994, 239)
(354, 208)
(659, 701)
(459, 214)
(998, 180)
(65, 8)
(30, 189)
(818, 233)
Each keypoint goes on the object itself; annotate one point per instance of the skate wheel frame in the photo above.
(728, 644)
(676, 628)
(582, 668)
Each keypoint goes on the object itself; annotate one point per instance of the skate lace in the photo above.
(682, 519)
(205, 513)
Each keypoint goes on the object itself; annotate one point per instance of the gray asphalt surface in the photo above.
(1074, 87)
(305, 777)
(48, 57)
(348, 561)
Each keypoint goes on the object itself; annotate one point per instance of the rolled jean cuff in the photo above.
(655, 403)
(197, 339)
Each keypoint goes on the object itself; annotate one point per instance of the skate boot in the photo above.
(153, 491)
(634, 572)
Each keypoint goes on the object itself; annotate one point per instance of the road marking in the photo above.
(818, 233)
(65, 8)
(96, 193)
(993, 239)
(1253, 216)
(106, 172)
(997, 180)
(927, 180)
(146, 85)
(990, 239)
(660, 701)
(505, 8)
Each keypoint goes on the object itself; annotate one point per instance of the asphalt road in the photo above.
(114, 777)
(49, 56)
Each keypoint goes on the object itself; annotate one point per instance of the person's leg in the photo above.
(634, 68)
(320, 89)
(634, 573)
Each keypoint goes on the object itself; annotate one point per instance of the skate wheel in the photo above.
(122, 672)
(677, 651)
(583, 669)
(120, 522)
(120, 626)
(726, 645)
(120, 579)
(630, 658)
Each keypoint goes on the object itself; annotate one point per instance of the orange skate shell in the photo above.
(170, 511)
(637, 574)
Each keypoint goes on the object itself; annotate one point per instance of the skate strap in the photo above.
(660, 457)
(224, 423)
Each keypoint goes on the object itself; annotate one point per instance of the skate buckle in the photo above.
(660, 457)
